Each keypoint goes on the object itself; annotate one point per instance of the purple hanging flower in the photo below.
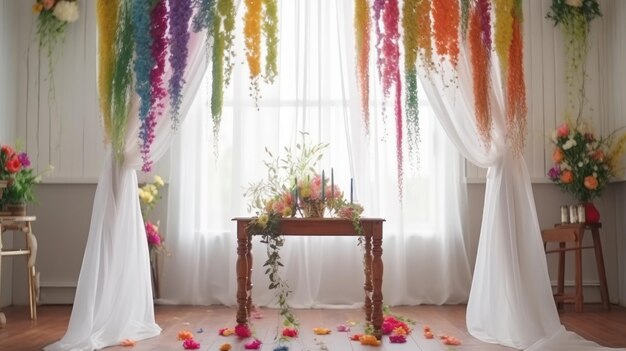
(180, 14)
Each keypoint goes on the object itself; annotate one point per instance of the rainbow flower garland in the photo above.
(270, 32)
(516, 108)
(362, 25)
(503, 32)
(121, 86)
(410, 41)
(446, 17)
(479, 58)
(252, 33)
(180, 14)
(424, 34)
(106, 12)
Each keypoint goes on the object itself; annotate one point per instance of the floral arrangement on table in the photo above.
(148, 198)
(575, 18)
(53, 16)
(584, 163)
(16, 170)
(292, 187)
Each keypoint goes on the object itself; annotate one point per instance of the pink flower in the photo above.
(154, 239)
(24, 160)
(343, 328)
(253, 345)
(48, 4)
(290, 332)
(397, 339)
(191, 344)
(562, 130)
(242, 331)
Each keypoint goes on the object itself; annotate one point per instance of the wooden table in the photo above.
(373, 263)
(22, 224)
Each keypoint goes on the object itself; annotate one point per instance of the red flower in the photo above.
(191, 344)
(242, 331)
(7, 150)
(290, 332)
(13, 165)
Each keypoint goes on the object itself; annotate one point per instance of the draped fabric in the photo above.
(424, 251)
(511, 301)
(113, 298)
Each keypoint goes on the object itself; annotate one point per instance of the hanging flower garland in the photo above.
(410, 30)
(106, 12)
(144, 61)
(378, 7)
(252, 32)
(479, 56)
(465, 13)
(503, 32)
(446, 18)
(270, 32)
(121, 85)
(223, 22)
(516, 109)
(362, 26)
(390, 69)
(158, 50)
(424, 34)
(180, 14)
(575, 17)
(203, 19)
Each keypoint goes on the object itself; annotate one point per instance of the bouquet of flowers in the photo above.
(583, 163)
(15, 169)
(149, 196)
(52, 19)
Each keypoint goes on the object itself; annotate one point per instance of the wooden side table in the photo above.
(579, 231)
(22, 224)
(373, 233)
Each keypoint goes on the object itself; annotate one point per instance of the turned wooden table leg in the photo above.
(377, 279)
(243, 270)
(249, 280)
(604, 291)
(3, 320)
(367, 267)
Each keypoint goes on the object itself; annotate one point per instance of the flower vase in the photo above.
(313, 209)
(592, 215)
(16, 210)
(154, 273)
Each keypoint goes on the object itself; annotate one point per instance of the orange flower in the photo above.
(185, 335)
(567, 177)
(128, 343)
(369, 340)
(591, 182)
(37, 7)
(557, 155)
(321, 331)
(225, 347)
(598, 155)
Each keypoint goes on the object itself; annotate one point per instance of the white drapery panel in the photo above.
(113, 298)
(511, 299)
(424, 251)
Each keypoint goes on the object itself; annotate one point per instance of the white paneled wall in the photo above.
(8, 76)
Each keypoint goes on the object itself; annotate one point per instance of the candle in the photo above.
(332, 184)
(351, 188)
(323, 187)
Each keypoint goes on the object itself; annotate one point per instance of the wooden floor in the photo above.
(20, 334)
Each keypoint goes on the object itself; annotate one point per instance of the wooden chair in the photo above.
(573, 233)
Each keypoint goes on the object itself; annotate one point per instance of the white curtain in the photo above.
(113, 298)
(511, 299)
(424, 252)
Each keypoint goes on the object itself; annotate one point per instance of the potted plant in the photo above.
(16, 171)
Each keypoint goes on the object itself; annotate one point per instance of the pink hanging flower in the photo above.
(243, 331)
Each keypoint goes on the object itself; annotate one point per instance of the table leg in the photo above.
(249, 280)
(242, 273)
(377, 279)
(31, 243)
(3, 320)
(367, 266)
(604, 291)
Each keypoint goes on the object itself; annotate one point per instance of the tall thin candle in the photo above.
(332, 184)
(323, 187)
(351, 188)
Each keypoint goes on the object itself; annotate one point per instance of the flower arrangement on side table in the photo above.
(583, 163)
(148, 197)
(20, 180)
(291, 188)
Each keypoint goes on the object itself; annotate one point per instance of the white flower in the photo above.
(66, 11)
(569, 144)
(580, 164)
(574, 3)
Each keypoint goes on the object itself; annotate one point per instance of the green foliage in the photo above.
(22, 188)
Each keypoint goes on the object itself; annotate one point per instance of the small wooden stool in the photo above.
(22, 224)
(573, 233)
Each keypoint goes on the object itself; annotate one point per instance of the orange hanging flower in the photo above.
(252, 34)
(516, 108)
(446, 16)
(424, 33)
(479, 56)
(362, 24)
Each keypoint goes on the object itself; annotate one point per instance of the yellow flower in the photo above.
(158, 181)
(305, 192)
(287, 212)
(152, 189)
(37, 7)
(263, 219)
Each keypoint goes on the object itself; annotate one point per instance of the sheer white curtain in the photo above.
(424, 252)
(511, 299)
(113, 298)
